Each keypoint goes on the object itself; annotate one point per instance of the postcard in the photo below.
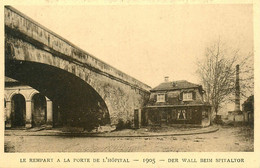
(129, 84)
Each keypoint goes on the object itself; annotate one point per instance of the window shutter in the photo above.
(166, 97)
(174, 116)
(181, 96)
(187, 114)
(155, 97)
(194, 95)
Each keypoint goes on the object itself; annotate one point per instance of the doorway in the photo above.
(39, 115)
(18, 110)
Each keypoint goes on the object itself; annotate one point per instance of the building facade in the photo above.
(177, 102)
(248, 110)
(25, 106)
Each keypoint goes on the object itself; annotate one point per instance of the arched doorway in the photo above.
(18, 110)
(39, 115)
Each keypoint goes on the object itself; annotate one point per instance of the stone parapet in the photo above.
(49, 41)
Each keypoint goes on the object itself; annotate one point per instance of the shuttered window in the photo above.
(187, 96)
(181, 115)
(161, 97)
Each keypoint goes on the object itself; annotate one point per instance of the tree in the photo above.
(217, 73)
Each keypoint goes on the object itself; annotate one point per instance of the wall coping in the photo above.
(118, 74)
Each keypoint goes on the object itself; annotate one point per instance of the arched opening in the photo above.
(39, 115)
(18, 110)
(75, 102)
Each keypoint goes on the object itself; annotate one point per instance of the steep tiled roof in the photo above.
(175, 85)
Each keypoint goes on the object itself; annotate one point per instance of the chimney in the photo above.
(237, 91)
(166, 79)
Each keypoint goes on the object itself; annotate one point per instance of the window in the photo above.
(205, 114)
(181, 115)
(187, 96)
(161, 97)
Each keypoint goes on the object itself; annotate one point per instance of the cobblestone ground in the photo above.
(227, 139)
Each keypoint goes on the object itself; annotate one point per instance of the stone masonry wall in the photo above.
(52, 42)
(121, 93)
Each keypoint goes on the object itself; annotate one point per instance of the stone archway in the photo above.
(18, 110)
(75, 102)
(39, 110)
(88, 91)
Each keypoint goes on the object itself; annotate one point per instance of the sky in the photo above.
(149, 42)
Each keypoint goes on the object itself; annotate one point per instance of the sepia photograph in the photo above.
(129, 78)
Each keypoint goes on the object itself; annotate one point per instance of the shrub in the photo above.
(218, 120)
(123, 125)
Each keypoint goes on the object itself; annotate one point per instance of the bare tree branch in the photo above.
(217, 73)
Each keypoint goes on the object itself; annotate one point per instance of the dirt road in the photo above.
(227, 139)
